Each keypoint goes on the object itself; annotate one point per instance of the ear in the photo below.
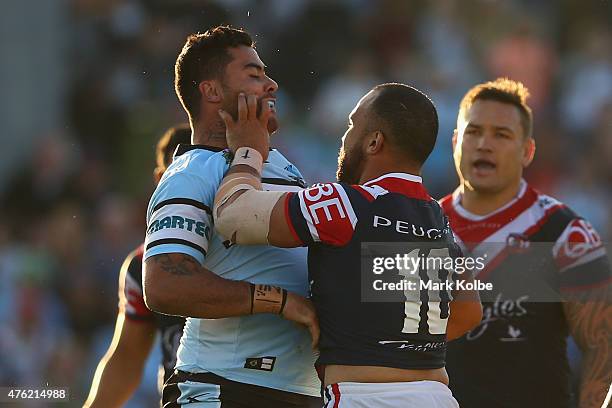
(454, 139)
(211, 91)
(529, 148)
(374, 142)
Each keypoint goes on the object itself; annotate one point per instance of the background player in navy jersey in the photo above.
(517, 356)
(371, 354)
(239, 347)
(120, 370)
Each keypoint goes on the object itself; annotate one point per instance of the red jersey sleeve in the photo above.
(322, 213)
(581, 257)
(131, 299)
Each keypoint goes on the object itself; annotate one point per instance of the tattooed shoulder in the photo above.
(177, 264)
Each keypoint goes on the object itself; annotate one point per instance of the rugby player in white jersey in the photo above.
(517, 357)
(240, 346)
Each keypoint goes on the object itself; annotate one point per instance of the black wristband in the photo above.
(252, 288)
(280, 312)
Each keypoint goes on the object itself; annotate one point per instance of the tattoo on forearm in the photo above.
(590, 322)
(183, 265)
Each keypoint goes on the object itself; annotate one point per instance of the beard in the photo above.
(350, 165)
(230, 105)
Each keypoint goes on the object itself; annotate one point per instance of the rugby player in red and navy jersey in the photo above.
(371, 354)
(120, 370)
(516, 357)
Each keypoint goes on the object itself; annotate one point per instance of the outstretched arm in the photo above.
(245, 214)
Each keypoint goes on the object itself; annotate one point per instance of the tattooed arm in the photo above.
(589, 317)
(177, 284)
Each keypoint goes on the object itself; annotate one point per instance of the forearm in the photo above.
(114, 383)
(177, 284)
(120, 371)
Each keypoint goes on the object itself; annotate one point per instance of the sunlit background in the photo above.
(87, 87)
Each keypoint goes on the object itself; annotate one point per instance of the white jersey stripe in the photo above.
(591, 256)
(403, 176)
(347, 204)
(527, 219)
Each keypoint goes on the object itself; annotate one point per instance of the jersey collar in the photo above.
(409, 185)
(402, 176)
(457, 196)
(184, 148)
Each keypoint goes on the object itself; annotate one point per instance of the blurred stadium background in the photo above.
(87, 89)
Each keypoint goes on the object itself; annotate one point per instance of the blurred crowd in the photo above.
(74, 205)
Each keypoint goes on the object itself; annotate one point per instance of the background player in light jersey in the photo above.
(120, 370)
(517, 356)
(372, 354)
(226, 357)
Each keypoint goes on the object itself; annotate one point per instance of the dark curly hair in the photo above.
(205, 56)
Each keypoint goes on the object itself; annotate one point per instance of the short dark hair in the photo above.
(205, 56)
(408, 117)
(502, 90)
(179, 134)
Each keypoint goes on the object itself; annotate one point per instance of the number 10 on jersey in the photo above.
(427, 308)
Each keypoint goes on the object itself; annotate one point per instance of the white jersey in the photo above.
(262, 349)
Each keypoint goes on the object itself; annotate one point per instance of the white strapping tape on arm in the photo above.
(246, 220)
(249, 156)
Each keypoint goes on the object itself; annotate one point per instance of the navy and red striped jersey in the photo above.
(334, 220)
(132, 304)
(517, 357)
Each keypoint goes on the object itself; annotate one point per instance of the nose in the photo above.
(484, 142)
(271, 85)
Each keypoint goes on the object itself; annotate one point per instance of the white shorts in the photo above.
(416, 394)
